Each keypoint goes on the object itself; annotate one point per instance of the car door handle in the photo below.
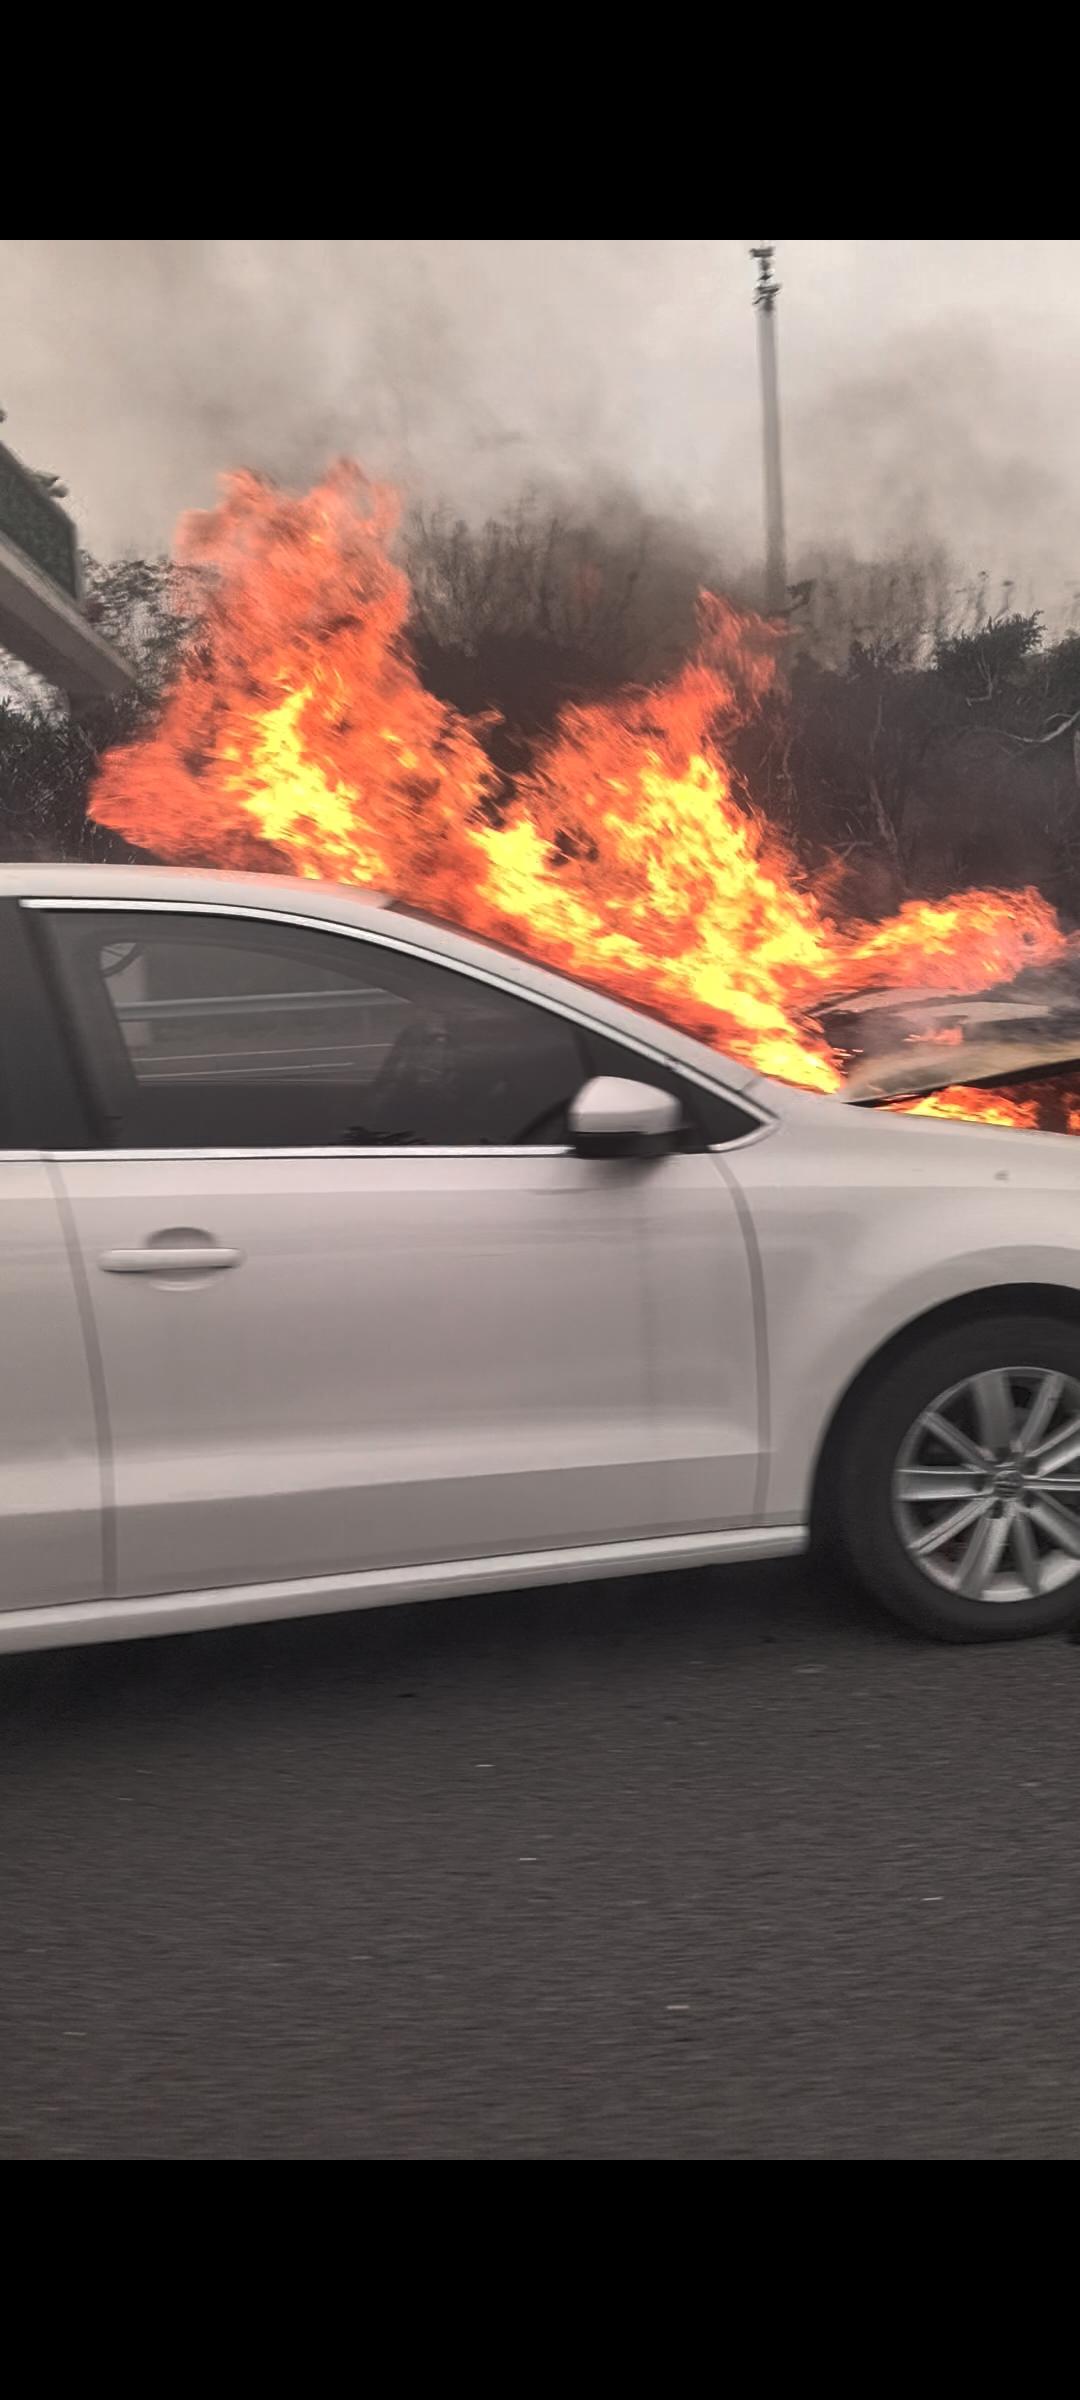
(156, 1259)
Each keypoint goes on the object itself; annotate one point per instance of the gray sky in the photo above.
(927, 387)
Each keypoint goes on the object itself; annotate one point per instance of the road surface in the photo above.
(710, 1866)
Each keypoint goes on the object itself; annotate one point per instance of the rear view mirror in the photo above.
(613, 1118)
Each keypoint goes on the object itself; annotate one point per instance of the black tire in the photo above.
(882, 1415)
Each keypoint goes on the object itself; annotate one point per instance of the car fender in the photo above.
(845, 1269)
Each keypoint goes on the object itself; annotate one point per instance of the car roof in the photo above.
(372, 912)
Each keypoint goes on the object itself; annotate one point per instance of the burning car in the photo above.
(540, 1260)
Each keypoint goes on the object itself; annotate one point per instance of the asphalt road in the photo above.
(700, 1866)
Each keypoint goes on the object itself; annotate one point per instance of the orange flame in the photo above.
(297, 719)
(966, 1100)
(299, 736)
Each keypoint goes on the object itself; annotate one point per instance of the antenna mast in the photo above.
(766, 292)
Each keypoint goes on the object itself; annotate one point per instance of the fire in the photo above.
(970, 941)
(966, 1100)
(627, 858)
(298, 736)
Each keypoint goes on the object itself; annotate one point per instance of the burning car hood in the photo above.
(907, 1045)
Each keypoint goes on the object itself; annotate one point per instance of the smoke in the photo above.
(929, 388)
(948, 435)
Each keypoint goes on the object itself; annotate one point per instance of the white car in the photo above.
(346, 1260)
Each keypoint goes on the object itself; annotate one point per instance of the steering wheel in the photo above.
(393, 1089)
(386, 1085)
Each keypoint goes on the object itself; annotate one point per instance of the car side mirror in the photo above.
(614, 1118)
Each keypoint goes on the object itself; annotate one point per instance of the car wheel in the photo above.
(958, 1482)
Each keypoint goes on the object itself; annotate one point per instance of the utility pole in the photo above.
(765, 297)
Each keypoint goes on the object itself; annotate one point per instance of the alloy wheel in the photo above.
(986, 1486)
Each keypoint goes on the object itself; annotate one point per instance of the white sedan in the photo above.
(346, 1261)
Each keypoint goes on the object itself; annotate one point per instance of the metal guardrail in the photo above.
(252, 1004)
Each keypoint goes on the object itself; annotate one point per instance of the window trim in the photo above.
(763, 1125)
(41, 1087)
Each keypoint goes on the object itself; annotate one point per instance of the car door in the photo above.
(358, 1305)
(708, 1386)
(51, 1515)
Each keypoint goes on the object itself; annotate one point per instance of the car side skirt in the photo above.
(257, 1603)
